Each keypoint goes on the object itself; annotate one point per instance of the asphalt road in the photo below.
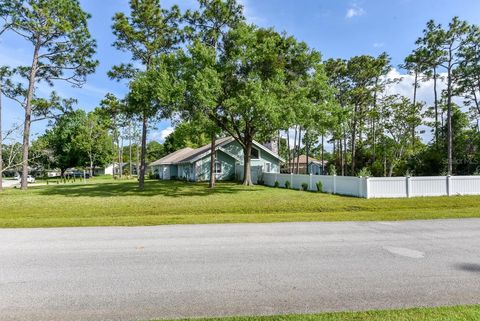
(238, 269)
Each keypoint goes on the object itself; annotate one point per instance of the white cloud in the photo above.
(405, 86)
(354, 11)
(162, 134)
(250, 13)
(378, 44)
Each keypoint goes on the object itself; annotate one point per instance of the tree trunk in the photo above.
(294, 149)
(344, 165)
(390, 169)
(449, 123)
(28, 115)
(354, 138)
(435, 101)
(138, 155)
(141, 178)
(374, 124)
(213, 159)
(342, 161)
(91, 167)
(298, 150)
(307, 152)
(289, 159)
(119, 157)
(323, 155)
(247, 153)
(130, 148)
(414, 104)
(1, 142)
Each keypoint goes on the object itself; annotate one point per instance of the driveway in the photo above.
(117, 273)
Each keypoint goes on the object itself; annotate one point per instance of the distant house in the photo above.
(314, 166)
(53, 172)
(114, 169)
(194, 164)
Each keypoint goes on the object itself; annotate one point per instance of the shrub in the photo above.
(364, 172)
(319, 187)
(287, 184)
(276, 184)
(332, 170)
(304, 186)
(152, 176)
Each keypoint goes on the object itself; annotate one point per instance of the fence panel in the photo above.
(327, 182)
(464, 185)
(387, 187)
(382, 187)
(428, 186)
(346, 185)
(269, 179)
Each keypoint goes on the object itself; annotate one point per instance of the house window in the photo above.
(218, 168)
(268, 167)
(255, 153)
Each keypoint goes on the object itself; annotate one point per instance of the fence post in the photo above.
(409, 186)
(291, 180)
(367, 187)
(449, 182)
(360, 186)
(334, 183)
(310, 187)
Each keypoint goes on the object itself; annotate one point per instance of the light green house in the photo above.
(194, 164)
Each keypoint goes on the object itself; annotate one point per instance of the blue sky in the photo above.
(337, 28)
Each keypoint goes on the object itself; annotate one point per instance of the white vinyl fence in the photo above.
(384, 187)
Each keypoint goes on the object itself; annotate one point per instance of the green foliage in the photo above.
(150, 33)
(155, 151)
(304, 186)
(332, 170)
(93, 139)
(62, 49)
(76, 139)
(319, 185)
(287, 184)
(59, 28)
(147, 33)
(186, 134)
(276, 184)
(62, 141)
(364, 172)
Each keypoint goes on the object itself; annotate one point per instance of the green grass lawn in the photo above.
(110, 202)
(458, 313)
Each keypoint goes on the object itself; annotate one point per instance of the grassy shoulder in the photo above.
(457, 313)
(103, 202)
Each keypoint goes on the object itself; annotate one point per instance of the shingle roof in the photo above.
(188, 155)
(303, 160)
(204, 150)
(174, 157)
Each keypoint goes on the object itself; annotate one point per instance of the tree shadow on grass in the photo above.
(152, 188)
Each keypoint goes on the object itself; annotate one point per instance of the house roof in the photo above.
(203, 151)
(302, 159)
(189, 155)
(174, 157)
